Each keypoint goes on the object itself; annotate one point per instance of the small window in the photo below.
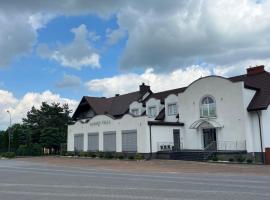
(172, 109)
(135, 111)
(152, 111)
(208, 107)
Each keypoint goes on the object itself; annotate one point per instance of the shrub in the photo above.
(83, 154)
(108, 155)
(8, 155)
(70, 153)
(120, 156)
(138, 156)
(100, 154)
(93, 155)
(231, 159)
(215, 158)
(131, 157)
(240, 158)
(249, 161)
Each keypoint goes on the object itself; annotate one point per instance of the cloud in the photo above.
(189, 32)
(77, 54)
(69, 81)
(19, 107)
(130, 82)
(113, 36)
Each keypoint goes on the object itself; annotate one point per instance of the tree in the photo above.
(48, 125)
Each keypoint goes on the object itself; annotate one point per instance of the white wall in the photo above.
(172, 98)
(266, 127)
(103, 123)
(229, 109)
(163, 134)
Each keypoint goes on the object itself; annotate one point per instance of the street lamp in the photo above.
(9, 132)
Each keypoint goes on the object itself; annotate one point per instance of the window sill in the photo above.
(208, 117)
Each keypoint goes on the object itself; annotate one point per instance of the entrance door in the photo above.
(209, 137)
(176, 139)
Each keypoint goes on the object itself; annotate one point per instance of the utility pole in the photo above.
(9, 131)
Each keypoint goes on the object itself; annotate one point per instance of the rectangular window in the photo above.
(172, 109)
(152, 111)
(135, 111)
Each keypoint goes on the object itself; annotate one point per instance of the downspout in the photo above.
(150, 131)
(261, 140)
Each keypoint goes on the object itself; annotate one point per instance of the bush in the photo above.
(8, 155)
(100, 154)
(120, 156)
(231, 159)
(108, 155)
(93, 155)
(83, 154)
(131, 157)
(249, 161)
(138, 156)
(240, 158)
(215, 158)
(70, 153)
(31, 150)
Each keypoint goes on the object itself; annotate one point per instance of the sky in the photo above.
(59, 51)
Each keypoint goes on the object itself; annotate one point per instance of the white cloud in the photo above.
(187, 32)
(130, 82)
(69, 81)
(113, 36)
(19, 107)
(77, 54)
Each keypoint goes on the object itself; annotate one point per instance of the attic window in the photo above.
(135, 111)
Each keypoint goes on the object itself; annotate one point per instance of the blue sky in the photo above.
(59, 51)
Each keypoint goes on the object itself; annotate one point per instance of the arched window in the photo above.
(208, 107)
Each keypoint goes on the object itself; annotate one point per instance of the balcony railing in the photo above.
(214, 146)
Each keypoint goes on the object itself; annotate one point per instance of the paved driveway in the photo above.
(25, 180)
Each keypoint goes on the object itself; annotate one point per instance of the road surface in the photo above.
(25, 180)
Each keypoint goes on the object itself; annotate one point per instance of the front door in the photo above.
(210, 138)
(176, 139)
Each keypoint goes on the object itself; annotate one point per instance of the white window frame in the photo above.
(172, 111)
(208, 107)
(135, 111)
(152, 114)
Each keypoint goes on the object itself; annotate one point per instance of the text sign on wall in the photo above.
(98, 123)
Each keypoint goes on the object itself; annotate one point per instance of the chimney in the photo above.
(117, 95)
(144, 88)
(255, 70)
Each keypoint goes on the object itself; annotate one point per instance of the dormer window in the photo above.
(208, 107)
(152, 111)
(135, 111)
(172, 109)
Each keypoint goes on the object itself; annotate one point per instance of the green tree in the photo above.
(48, 125)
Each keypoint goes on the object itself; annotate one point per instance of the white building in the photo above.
(212, 113)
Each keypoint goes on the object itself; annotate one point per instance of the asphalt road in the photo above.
(21, 180)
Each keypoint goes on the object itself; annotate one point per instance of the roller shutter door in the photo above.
(93, 142)
(109, 141)
(129, 141)
(78, 142)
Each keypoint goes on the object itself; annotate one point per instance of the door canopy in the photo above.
(210, 123)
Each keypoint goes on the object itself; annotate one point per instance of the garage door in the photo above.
(78, 142)
(129, 141)
(109, 141)
(93, 142)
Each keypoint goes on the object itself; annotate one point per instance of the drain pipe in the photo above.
(261, 140)
(150, 131)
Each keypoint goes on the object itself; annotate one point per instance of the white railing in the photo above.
(168, 146)
(231, 145)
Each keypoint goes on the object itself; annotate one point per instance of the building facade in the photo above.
(212, 113)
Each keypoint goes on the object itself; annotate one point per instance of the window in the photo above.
(172, 109)
(152, 111)
(208, 107)
(135, 111)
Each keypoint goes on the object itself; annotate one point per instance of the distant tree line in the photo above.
(42, 128)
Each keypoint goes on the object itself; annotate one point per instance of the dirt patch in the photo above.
(172, 166)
